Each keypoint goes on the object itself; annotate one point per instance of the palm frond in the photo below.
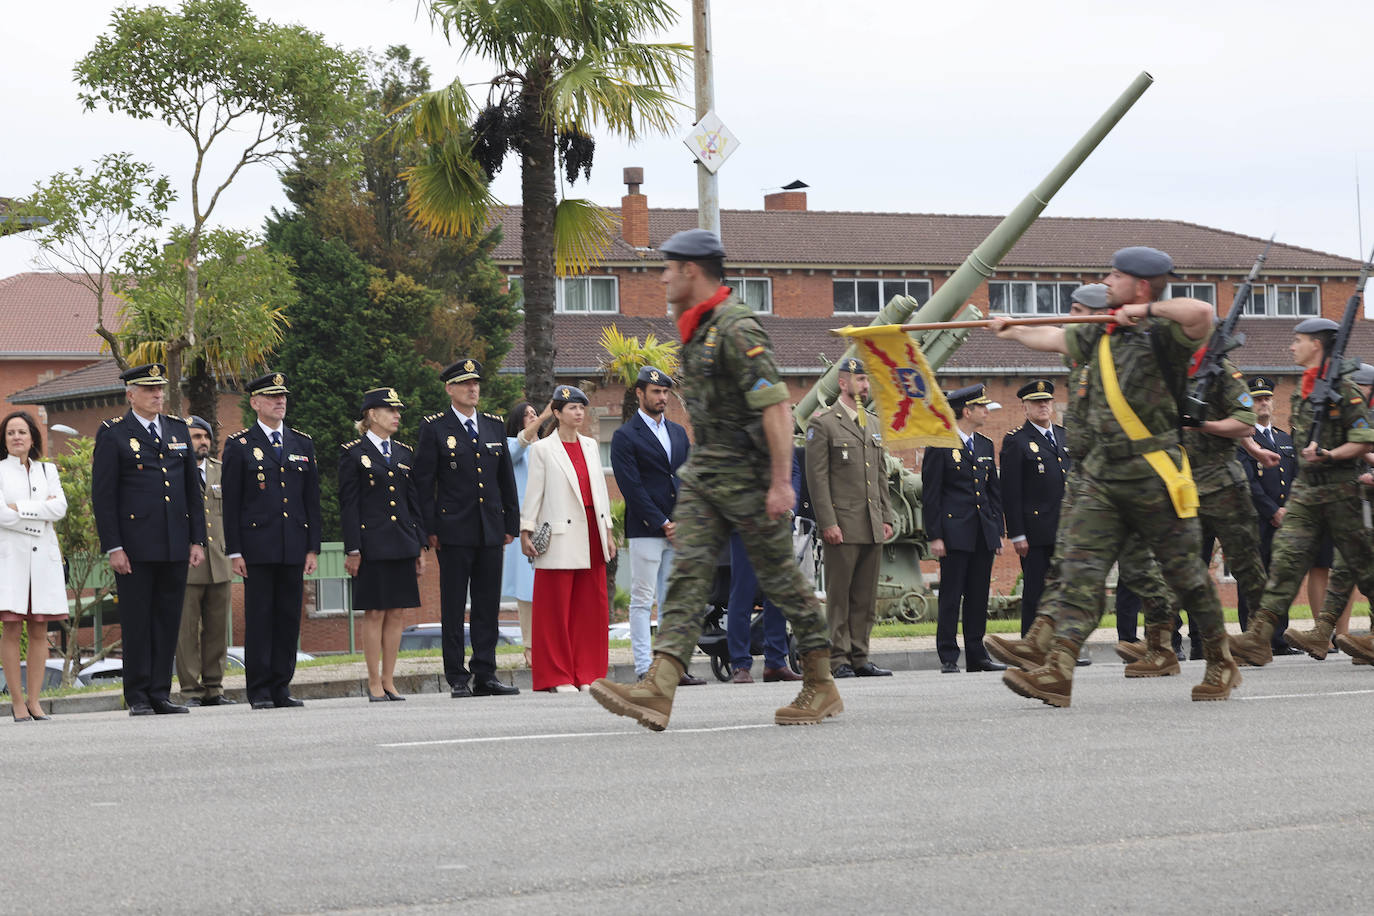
(436, 115)
(583, 232)
(625, 356)
(448, 192)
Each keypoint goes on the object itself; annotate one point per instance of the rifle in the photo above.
(1326, 392)
(1223, 340)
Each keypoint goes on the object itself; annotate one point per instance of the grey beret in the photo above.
(199, 423)
(1092, 295)
(651, 375)
(569, 394)
(1363, 375)
(1139, 261)
(852, 366)
(692, 244)
(1316, 326)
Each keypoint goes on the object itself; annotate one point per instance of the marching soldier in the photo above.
(846, 473)
(204, 643)
(1342, 583)
(272, 533)
(145, 491)
(1269, 491)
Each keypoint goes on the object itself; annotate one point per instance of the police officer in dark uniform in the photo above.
(272, 532)
(1034, 465)
(1269, 489)
(963, 518)
(145, 488)
(471, 511)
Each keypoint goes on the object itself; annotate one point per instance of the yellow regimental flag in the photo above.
(911, 408)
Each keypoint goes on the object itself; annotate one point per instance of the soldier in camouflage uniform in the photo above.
(739, 477)
(1127, 483)
(1325, 501)
(1342, 584)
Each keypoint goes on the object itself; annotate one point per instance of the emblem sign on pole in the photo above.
(711, 142)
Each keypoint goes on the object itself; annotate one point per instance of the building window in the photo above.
(605, 429)
(329, 599)
(1207, 292)
(1024, 297)
(860, 295)
(578, 295)
(1284, 300)
(755, 292)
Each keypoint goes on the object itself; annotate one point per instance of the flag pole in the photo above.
(980, 323)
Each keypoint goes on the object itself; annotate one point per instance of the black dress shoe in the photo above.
(871, 670)
(460, 690)
(141, 709)
(491, 687)
(264, 704)
(167, 707)
(380, 699)
(393, 697)
(1286, 649)
(949, 667)
(287, 702)
(218, 700)
(193, 701)
(986, 664)
(842, 671)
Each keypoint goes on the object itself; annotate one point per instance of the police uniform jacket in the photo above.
(646, 477)
(146, 496)
(271, 507)
(961, 495)
(846, 475)
(379, 506)
(216, 567)
(1270, 487)
(1032, 479)
(467, 495)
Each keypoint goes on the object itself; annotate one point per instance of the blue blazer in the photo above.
(647, 479)
(271, 507)
(962, 497)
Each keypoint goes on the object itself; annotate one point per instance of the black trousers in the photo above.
(1127, 614)
(272, 627)
(1266, 544)
(150, 598)
(1035, 565)
(464, 571)
(965, 577)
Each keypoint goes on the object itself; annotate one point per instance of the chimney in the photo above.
(785, 200)
(634, 210)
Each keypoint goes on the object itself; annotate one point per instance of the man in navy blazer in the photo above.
(645, 455)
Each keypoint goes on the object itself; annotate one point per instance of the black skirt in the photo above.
(385, 584)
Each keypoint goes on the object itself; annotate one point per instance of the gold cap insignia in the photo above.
(1039, 386)
(469, 366)
(566, 393)
(391, 393)
(154, 371)
(278, 380)
(654, 375)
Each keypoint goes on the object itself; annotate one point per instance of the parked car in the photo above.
(109, 670)
(52, 677)
(430, 636)
(233, 661)
(622, 630)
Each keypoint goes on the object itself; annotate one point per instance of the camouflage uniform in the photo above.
(728, 377)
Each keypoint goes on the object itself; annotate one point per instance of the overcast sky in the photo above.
(1258, 122)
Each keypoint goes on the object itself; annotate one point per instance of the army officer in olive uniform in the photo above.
(145, 491)
(272, 533)
(847, 479)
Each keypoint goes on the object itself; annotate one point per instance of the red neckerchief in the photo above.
(1309, 379)
(1197, 361)
(1112, 326)
(687, 324)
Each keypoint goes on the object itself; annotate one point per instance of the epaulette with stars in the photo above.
(301, 434)
(239, 435)
(349, 445)
(1016, 429)
(402, 444)
(492, 416)
(434, 416)
(112, 421)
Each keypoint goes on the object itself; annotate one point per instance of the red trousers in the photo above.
(570, 620)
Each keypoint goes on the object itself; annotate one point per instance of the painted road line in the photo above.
(559, 735)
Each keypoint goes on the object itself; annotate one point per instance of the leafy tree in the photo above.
(564, 67)
(87, 573)
(221, 77)
(244, 291)
(101, 222)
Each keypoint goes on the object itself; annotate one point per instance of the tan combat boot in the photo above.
(1026, 653)
(1222, 675)
(1359, 648)
(1159, 660)
(1051, 683)
(1252, 647)
(819, 698)
(1316, 642)
(648, 702)
(1131, 651)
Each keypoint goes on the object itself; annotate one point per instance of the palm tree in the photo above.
(625, 356)
(565, 67)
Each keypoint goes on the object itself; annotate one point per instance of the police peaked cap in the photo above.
(271, 383)
(195, 422)
(380, 397)
(462, 371)
(963, 397)
(1315, 326)
(151, 374)
(1092, 295)
(692, 245)
(1038, 389)
(569, 394)
(852, 366)
(652, 375)
(1262, 386)
(1142, 262)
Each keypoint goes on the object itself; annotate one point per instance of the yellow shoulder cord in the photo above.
(1177, 480)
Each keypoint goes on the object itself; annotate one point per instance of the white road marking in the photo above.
(1290, 696)
(556, 735)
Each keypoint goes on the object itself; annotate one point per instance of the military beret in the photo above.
(1316, 326)
(692, 245)
(1091, 295)
(1139, 261)
(959, 398)
(651, 375)
(1036, 390)
(1261, 386)
(271, 383)
(462, 371)
(380, 397)
(1364, 375)
(852, 365)
(151, 374)
(568, 394)
(195, 422)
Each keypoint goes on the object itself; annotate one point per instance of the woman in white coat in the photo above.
(567, 489)
(33, 589)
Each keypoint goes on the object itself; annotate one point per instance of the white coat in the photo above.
(552, 495)
(29, 555)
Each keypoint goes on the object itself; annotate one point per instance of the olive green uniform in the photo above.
(728, 377)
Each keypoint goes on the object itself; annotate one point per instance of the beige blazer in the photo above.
(30, 559)
(552, 495)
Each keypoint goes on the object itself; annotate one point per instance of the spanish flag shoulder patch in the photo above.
(754, 351)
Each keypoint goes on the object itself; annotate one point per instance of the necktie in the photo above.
(152, 431)
(202, 479)
(276, 444)
(1269, 437)
(386, 451)
(1049, 434)
(472, 431)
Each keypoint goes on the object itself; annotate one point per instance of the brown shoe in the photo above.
(1222, 675)
(741, 676)
(1051, 683)
(650, 701)
(819, 698)
(1252, 647)
(689, 680)
(1026, 653)
(780, 674)
(1316, 642)
(1159, 659)
(1130, 651)
(1359, 648)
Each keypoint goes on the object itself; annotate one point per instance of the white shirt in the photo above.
(144, 421)
(1045, 431)
(660, 430)
(269, 430)
(377, 440)
(464, 418)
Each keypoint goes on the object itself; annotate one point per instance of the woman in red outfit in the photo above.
(567, 489)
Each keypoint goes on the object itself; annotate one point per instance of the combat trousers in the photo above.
(203, 642)
(1266, 548)
(1315, 512)
(1104, 515)
(851, 592)
(1228, 516)
(711, 503)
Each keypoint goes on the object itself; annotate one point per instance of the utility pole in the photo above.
(708, 196)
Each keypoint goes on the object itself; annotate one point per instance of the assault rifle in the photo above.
(1224, 339)
(1326, 393)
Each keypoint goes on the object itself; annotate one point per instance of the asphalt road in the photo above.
(930, 793)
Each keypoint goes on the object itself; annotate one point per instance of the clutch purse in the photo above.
(539, 539)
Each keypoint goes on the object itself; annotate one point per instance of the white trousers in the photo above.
(651, 559)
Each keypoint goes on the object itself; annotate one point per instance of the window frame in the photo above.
(560, 293)
(1061, 288)
(883, 299)
(768, 291)
(1269, 291)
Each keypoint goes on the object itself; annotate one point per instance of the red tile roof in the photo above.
(47, 314)
(96, 379)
